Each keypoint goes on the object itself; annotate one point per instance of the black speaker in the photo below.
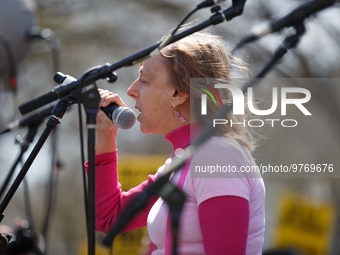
(17, 17)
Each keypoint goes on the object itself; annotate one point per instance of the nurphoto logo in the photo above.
(238, 106)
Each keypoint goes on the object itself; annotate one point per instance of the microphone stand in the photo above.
(91, 99)
(175, 198)
(57, 113)
(25, 142)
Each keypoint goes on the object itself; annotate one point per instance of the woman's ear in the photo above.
(179, 97)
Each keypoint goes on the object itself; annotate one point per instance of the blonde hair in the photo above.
(203, 55)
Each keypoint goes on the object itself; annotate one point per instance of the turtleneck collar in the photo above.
(180, 137)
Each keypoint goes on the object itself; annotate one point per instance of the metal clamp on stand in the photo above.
(288, 43)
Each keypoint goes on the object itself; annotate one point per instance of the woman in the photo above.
(221, 215)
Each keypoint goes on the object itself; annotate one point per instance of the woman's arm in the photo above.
(224, 223)
(111, 200)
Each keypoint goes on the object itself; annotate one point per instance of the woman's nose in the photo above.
(133, 90)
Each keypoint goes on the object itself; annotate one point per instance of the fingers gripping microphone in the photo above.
(123, 117)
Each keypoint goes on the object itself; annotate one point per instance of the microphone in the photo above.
(123, 117)
(34, 119)
(208, 3)
(300, 13)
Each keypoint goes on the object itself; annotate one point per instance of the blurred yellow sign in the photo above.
(305, 224)
(132, 170)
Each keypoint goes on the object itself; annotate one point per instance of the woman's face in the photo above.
(153, 94)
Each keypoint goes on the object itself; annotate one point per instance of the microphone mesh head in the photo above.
(124, 117)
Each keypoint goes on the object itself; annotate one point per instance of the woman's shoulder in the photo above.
(220, 148)
(222, 166)
(222, 157)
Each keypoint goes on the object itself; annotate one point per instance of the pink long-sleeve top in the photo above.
(223, 214)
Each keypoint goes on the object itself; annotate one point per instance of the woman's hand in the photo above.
(106, 129)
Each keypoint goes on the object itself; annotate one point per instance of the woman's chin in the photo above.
(146, 130)
(142, 130)
(142, 127)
